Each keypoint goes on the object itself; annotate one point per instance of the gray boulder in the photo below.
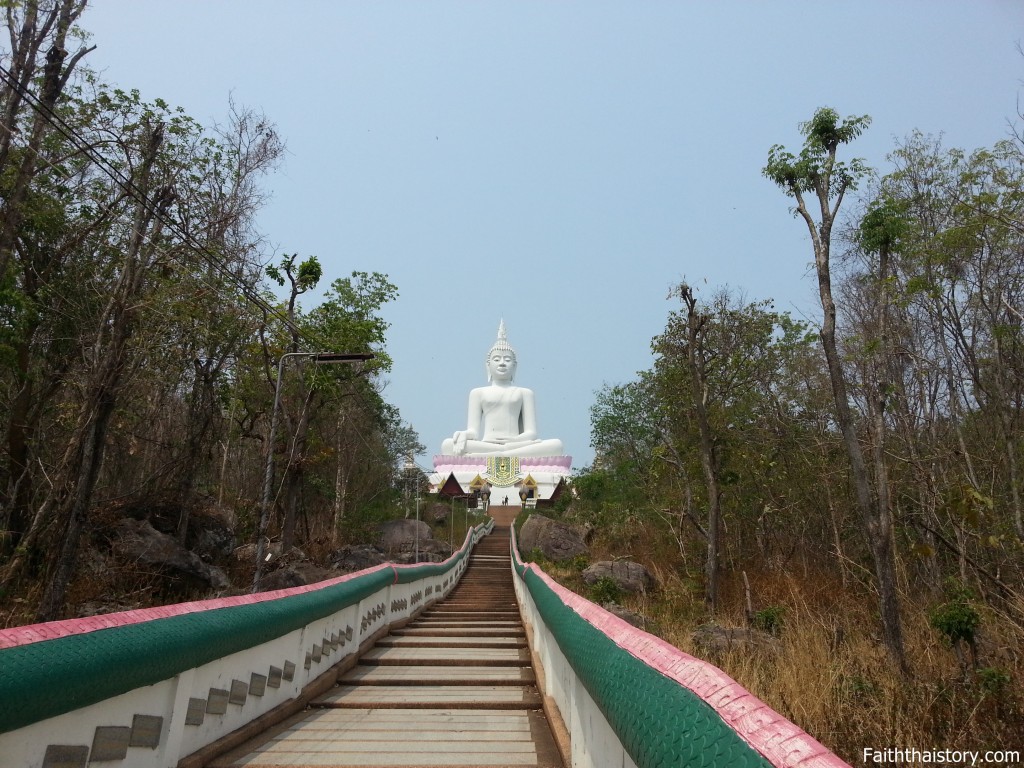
(271, 551)
(431, 551)
(357, 557)
(438, 513)
(556, 540)
(401, 535)
(627, 575)
(211, 527)
(293, 575)
(140, 542)
(211, 533)
(714, 639)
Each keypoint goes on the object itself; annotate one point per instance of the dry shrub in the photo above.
(832, 677)
(830, 673)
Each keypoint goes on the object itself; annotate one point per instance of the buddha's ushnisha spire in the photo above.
(502, 345)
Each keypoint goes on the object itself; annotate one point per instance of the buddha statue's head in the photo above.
(501, 359)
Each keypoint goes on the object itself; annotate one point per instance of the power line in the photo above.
(137, 195)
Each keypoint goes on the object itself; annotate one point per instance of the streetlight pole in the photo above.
(417, 523)
(320, 358)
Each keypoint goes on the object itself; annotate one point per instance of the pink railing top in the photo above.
(780, 741)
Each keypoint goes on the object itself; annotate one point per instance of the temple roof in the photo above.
(555, 494)
(450, 487)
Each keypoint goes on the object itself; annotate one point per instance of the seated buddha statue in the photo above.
(502, 418)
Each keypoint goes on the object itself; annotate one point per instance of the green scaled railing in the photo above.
(658, 721)
(43, 679)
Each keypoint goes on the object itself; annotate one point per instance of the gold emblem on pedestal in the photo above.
(502, 471)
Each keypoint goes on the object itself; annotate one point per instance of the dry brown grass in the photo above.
(830, 673)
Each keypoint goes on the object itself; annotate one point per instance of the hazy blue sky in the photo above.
(558, 164)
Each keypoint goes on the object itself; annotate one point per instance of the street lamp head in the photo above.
(341, 357)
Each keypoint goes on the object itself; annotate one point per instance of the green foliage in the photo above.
(535, 555)
(362, 522)
(302, 276)
(824, 131)
(623, 426)
(956, 619)
(770, 619)
(579, 563)
(605, 590)
(861, 688)
(885, 225)
(563, 503)
(994, 681)
(816, 167)
(349, 318)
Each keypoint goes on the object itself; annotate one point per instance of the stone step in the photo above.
(455, 687)
(452, 641)
(471, 615)
(464, 623)
(413, 631)
(360, 738)
(455, 657)
(439, 675)
(418, 697)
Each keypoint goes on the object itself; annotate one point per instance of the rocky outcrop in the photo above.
(627, 575)
(294, 575)
(438, 513)
(357, 557)
(402, 535)
(210, 532)
(400, 540)
(555, 540)
(139, 542)
(714, 639)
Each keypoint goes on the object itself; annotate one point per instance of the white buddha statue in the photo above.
(502, 417)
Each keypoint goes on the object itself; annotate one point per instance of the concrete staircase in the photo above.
(453, 687)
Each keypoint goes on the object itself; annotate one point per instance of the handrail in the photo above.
(662, 706)
(43, 679)
(61, 669)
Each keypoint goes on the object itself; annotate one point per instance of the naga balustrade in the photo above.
(627, 698)
(172, 686)
(169, 686)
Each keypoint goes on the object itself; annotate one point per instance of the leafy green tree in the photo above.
(40, 68)
(954, 286)
(102, 271)
(816, 175)
(713, 370)
(340, 400)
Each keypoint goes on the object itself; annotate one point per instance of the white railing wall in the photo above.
(157, 724)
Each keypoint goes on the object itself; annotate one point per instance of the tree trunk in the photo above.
(35, 33)
(341, 483)
(295, 472)
(91, 461)
(109, 359)
(200, 420)
(18, 494)
(708, 461)
(875, 519)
